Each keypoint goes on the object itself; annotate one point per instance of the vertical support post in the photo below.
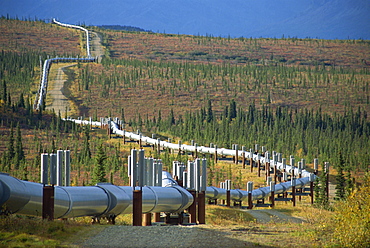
(312, 179)
(327, 165)
(267, 168)
(201, 208)
(263, 150)
(227, 198)
(137, 208)
(159, 146)
(147, 219)
(275, 171)
(256, 147)
(272, 197)
(215, 154)
(196, 150)
(124, 136)
(236, 154)
(259, 168)
(48, 202)
(249, 189)
(193, 207)
(293, 182)
(228, 188)
(157, 217)
(316, 166)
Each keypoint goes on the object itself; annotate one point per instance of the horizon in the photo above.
(315, 19)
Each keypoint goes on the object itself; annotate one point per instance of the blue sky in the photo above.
(327, 19)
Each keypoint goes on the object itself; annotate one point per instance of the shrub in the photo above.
(352, 219)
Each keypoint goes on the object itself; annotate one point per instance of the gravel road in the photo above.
(163, 236)
(60, 101)
(182, 236)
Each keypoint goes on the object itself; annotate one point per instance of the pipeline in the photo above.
(47, 64)
(80, 28)
(105, 199)
(102, 200)
(290, 169)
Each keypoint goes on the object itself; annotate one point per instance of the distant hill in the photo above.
(125, 28)
(326, 19)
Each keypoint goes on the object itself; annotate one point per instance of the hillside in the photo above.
(184, 72)
(45, 39)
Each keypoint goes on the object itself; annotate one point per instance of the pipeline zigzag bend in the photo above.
(107, 200)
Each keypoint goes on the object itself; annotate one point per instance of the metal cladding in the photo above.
(105, 199)
(67, 167)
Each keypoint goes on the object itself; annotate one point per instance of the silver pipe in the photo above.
(53, 168)
(59, 168)
(67, 164)
(44, 168)
(105, 199)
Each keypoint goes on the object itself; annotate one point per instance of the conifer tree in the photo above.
(11, 150)
(232, 109)
(341, 181)
(209, 112)
(99, 171)
(5, 98)
(19, 153)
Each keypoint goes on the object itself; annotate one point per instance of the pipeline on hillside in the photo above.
(48, 62)
(25, 197)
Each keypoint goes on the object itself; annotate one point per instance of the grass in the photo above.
(23, 231)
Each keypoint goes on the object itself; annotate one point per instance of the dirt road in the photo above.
(97, 49)
(55, 92)
(59, 102)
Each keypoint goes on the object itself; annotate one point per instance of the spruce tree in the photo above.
(209, 112)
(99, 171)
(19, 153)
(11, 150)
(341, 181)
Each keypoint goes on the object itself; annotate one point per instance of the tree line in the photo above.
(304, 133)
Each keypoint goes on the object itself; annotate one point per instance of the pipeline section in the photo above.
(47, 64)
(102, 200)
(105, 199)
(289, 169)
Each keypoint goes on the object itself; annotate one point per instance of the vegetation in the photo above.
(20, 231)
(303, 97)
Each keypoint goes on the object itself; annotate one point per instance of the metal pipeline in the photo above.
(104, 199)
(23, 197)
